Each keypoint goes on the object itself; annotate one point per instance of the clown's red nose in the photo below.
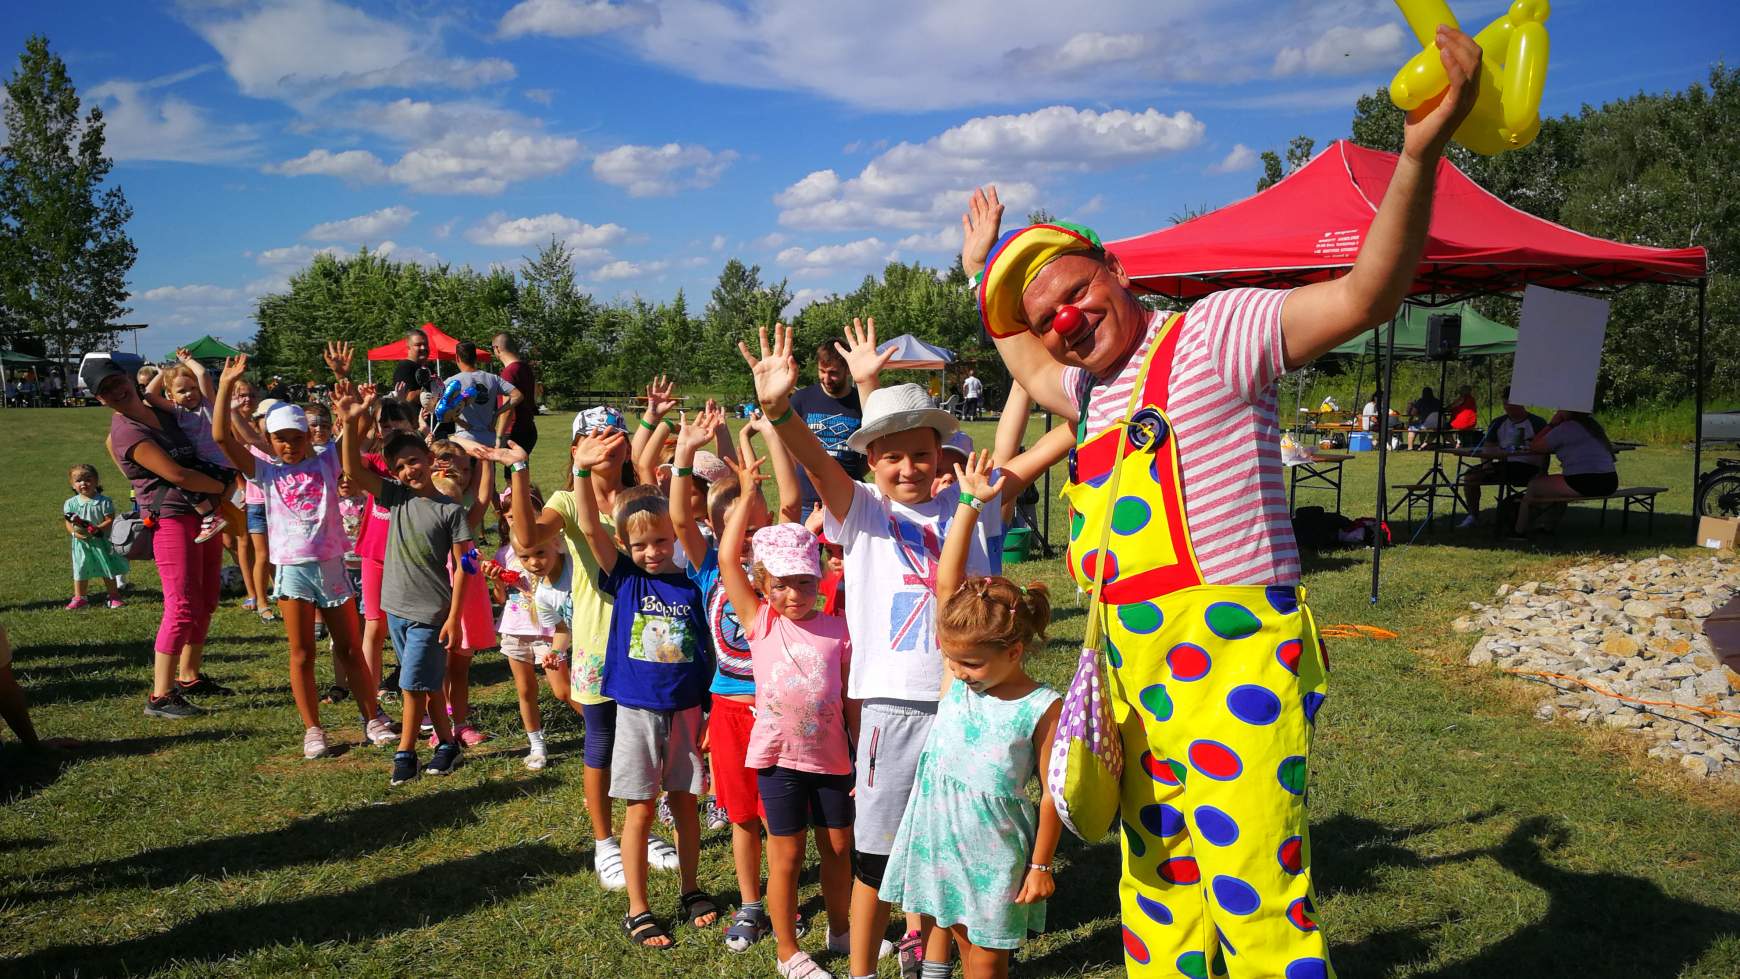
(1068, 321)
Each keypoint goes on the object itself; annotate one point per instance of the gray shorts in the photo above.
(656, 750)
(891, 736)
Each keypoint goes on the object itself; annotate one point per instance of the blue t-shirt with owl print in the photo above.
(657, 657)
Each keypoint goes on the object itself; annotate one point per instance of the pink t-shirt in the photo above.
(371, 540)
(1222, 404)
(800, 720)
(518, 616)
(303, 522)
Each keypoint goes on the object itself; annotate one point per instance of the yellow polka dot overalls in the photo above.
(1215, 688)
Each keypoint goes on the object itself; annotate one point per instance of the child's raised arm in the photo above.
(785, 479)
(201, 376)
(690, 438)
(350, 408)
(862, 360)
(976, 488)
(154, 393)
(649, 435)
(590, 452)
(223, 428)
(775, 378)
(1011, 424)
(738, 587)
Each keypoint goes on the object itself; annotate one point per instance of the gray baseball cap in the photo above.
(99, 367)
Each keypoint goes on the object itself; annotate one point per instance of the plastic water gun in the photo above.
(470, 561)
(1506, 114)
(514, 579)
(452, 397)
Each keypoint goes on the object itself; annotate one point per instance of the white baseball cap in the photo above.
(284, 417)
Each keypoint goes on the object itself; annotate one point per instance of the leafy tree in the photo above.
(64, 250)
(1040, 215)
(561, 325)
(1298, 154)
(740, 305)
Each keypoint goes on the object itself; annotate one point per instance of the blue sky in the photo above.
(815, 138)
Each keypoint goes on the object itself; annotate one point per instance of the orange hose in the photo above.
(1354, 631)
(1598, 688)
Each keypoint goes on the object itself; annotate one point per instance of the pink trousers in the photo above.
(190, 574)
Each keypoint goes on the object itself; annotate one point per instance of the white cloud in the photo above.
(1344, 50)
(351, 166)
(944, 239)
(445, 228)
(1091, 206)
(718, 243)
(648, 171)
(542, 96)
(574, 18)
(406, 253)
(771, 240)
(190, 295)
(919, 185)
(1092, 50)
(865, 254)
(363, 227)
(483, 163)
(1240, 157)
(140, 123)
(620, 269)
(293, 256)
(589, 243)
(804, 297)
(306, 50)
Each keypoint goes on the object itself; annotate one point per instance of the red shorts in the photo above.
(371, 589)
(734, 784)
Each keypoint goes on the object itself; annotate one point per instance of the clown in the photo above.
(1217, 671)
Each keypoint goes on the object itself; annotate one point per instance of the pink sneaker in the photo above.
(472, 737)
(116, 603)
(211, 526)
(78, 601)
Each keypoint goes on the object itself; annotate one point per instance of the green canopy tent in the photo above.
(11, 361)
(209, 347)
(1481, 337)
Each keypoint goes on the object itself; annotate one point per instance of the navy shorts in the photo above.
(600, 744)
(422, 658)
(795, 801)
(256, 518)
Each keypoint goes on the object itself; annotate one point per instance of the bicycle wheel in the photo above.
(1720, 495)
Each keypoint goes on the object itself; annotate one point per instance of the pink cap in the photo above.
(787, 550)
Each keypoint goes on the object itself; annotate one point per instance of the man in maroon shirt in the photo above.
(523, 430)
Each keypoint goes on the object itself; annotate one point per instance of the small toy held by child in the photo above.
(973, 855)
(798, 745)
(88, 514)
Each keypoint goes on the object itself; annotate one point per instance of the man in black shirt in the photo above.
(830, 407)
(413, 376)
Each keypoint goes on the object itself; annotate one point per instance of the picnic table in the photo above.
(1319, 472)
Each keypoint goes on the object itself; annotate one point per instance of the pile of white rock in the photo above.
(1635, 628)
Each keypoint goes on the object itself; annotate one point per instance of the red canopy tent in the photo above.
(441, 347)
(1309, 227)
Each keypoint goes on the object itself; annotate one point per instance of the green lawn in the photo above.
(1454, 834)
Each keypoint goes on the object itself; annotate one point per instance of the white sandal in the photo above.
(660, 855)
(607, 863)
(801, 966)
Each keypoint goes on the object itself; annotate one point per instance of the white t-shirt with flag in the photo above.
(892, 552)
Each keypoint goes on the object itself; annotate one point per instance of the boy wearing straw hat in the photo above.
(1179, 512)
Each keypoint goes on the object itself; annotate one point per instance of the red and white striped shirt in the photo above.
(1222, 408)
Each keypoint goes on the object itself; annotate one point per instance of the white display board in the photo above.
(1558, 349)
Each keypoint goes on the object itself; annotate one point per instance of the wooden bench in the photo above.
(1640, 497)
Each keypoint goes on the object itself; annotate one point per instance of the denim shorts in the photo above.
(324, 583)
(422, 658)
(256, 518)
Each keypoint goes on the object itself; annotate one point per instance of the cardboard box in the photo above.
(1718, 533)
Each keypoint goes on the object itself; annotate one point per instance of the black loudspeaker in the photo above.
(1443, 336)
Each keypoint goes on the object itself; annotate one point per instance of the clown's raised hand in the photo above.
(980, 225)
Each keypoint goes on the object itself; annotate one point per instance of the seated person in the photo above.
(1423, 414)
(1368, 416)
(1586, 461)
(1510, 431)
(1464, 416)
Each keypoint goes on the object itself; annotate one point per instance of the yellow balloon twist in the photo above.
(1506, 114)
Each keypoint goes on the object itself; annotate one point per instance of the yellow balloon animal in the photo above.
(1506, 114)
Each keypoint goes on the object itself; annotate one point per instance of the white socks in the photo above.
(536, 738)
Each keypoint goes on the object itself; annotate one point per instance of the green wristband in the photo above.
(782, 419)
(582, 473)
(972, 501)
(685, 471)
(518, 467)
(649, 426)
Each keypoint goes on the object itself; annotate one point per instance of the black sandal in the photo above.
(697, 904)
(335, 694)
(643, 928)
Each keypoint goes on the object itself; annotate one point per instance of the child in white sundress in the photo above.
(973, 854)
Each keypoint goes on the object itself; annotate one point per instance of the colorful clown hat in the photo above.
(1014, 262)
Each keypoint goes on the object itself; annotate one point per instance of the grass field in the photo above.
(1454, 834)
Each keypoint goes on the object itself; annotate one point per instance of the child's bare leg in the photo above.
(746, 855)
(686, 820)
(936, 940)
(980, 963)
(374, 639)
(635, 826)
(299, 628)
(869, 922)
(438, 716)
(526, 689)
(415, 702)
(835, 848)
(79, 588)
(346, 659)
(785, 860)
(262, 570)
(114, 588)
(459, 684)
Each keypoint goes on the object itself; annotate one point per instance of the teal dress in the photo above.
(963, 846)
(93, 557)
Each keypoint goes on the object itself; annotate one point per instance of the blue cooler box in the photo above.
(1359, 442)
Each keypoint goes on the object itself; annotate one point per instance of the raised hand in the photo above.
(507, 455)
(234, 368)
(338, 356)
(692, 438)
(182, 356)
(759, 424)
(860, 351)
(660, 397)
(1430, 126)
(974, 478)
(748, 474)
(775, 372)
(980, 225)
(594, 450)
